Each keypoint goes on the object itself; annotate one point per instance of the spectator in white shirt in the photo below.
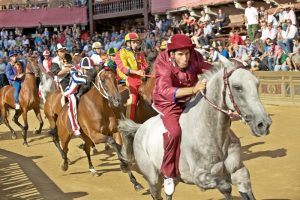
(292, 15)
(268, 32)
(251, 18)
(287, 43)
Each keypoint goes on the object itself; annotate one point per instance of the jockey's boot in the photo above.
(17, 106)
(169, 186)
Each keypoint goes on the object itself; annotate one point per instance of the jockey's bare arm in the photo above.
(63, 71)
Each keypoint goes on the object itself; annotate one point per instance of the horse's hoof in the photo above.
(64, 166)
(138, 187)
(25, 144)
(14, 136)
(107, 147)
(124, 167)
(95, 151)
(94, 172)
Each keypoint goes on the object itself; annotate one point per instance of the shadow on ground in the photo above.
(248, 154)
(21, 178)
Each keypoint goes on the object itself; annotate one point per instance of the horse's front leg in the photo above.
(87, 149)
(39, 117)
(239, 173)
(25, 129)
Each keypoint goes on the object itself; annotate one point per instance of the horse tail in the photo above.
(128, 128)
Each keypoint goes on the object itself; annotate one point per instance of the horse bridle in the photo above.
(226, 111)
(100, 85)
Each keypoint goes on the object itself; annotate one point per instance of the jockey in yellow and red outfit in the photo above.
(131, 66)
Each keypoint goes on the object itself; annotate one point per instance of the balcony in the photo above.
(117, 8)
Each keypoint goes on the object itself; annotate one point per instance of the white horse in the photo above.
(210, 151)
(47, 84)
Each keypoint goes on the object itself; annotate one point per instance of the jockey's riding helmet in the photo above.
(86, 63)
(163, 45)
(179, 41)
(112, 51)
(46, 53)
(96, 45)
(131, 36)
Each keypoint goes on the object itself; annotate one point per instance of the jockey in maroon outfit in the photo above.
(176, 71)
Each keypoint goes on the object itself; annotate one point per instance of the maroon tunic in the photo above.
(168, 78)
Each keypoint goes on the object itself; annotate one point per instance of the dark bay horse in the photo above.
(29, 100)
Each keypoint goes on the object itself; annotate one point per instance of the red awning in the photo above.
(161, 6)
(47, 16)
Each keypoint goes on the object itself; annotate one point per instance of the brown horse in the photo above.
(95, 116)
(29, 100)
(98, 111)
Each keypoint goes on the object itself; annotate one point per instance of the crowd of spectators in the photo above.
(271, 42)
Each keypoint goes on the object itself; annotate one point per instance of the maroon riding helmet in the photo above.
(179, 41)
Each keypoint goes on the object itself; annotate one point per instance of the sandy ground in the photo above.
(34, 172)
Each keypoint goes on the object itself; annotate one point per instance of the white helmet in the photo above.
(86, 63)
(96, 45)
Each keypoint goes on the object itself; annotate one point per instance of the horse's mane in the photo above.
(217, 66)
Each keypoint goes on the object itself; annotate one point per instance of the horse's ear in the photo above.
(224, 61)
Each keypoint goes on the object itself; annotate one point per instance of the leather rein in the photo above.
(227, 111)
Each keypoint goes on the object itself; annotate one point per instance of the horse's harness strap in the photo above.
(100, 86)
(226, 85)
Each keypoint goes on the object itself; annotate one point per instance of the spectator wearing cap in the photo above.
(15, 73)
(251, 18)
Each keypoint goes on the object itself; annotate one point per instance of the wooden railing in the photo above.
(116, 6)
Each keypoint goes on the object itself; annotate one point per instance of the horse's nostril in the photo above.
(260, 125)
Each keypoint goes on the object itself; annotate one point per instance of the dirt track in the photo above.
(34, 172)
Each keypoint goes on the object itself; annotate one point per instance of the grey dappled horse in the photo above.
(210, 151)
(47, 84)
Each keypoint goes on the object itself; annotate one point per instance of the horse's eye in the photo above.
(238, 88)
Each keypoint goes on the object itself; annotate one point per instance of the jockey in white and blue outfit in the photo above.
(77, 78)
(15, 71)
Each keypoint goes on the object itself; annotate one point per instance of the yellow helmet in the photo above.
(96, 45)
(131, 36)
(163, 45)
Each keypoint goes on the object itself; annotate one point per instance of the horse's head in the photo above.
(107, 85)
(240, 94)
